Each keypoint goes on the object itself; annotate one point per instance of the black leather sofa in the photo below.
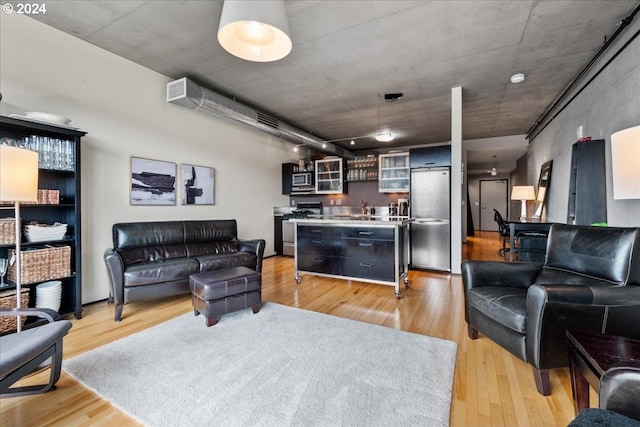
(590, 280)
(152, 260)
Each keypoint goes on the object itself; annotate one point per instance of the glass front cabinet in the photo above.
(47, 255)
(330, 176)
(394, 173)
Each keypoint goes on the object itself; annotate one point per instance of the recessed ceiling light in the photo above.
(517, 78)
(353, 142)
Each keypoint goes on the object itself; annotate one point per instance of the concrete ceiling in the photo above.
(348, 54)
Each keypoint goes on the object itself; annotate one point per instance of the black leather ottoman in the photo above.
(218, 292)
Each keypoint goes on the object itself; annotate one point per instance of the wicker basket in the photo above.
(7, 231)
(8, 300)
(40, 265)
(60, 262)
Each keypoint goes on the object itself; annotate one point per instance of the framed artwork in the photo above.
(153, 182)
(197, 185)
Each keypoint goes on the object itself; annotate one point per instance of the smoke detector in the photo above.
(392, 97)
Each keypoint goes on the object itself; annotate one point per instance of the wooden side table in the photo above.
(592, 354)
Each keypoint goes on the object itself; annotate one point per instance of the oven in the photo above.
(288, 231)
(288, 227)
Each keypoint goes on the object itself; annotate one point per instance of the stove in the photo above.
(303, 211)
(300, 213)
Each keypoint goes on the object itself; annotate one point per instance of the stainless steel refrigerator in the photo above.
(431, 229)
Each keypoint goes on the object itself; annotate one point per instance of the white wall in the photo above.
(122, 107)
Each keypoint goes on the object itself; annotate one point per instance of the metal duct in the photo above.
(189, 94)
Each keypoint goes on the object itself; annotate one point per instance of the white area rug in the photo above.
(281, 367)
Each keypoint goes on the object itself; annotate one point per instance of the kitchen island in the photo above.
(353, 247)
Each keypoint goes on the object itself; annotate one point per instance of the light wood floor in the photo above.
(491, 387)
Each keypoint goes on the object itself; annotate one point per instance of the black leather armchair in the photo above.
(590, 280)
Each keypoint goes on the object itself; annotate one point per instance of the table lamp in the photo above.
(523, 193)
(18, 183)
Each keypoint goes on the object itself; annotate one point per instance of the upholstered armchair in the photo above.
(589, 280)
(23, 353)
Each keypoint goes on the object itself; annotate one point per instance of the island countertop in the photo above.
(355, 220)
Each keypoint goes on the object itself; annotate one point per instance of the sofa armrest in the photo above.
(255, 246)
(115, 272)
(552, 309)
(46, 313)
(620, 388)
(498, 273)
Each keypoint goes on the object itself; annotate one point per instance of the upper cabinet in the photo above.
(330, 176)
(58, 150)
(394, 173)
(430, 157)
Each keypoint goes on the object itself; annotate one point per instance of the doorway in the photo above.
(493, 195)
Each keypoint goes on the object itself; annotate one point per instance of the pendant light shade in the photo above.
(255, 30)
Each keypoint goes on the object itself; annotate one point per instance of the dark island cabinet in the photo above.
(319, 249)
(365, 253)
(58, 202)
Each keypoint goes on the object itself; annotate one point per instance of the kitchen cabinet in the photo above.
(394, 173)
(287, 172)
(59, 172)
(330, 176)
(587, 183)
(428, 157)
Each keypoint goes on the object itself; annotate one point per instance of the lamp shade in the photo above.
(523, 192)
(255, 30)
(625, 163)
(18, 174)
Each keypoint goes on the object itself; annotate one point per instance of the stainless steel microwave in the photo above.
(302, 179)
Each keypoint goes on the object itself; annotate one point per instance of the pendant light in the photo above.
(381, 136)
(255, 30)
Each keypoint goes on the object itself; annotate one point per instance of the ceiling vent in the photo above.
(187, 93)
